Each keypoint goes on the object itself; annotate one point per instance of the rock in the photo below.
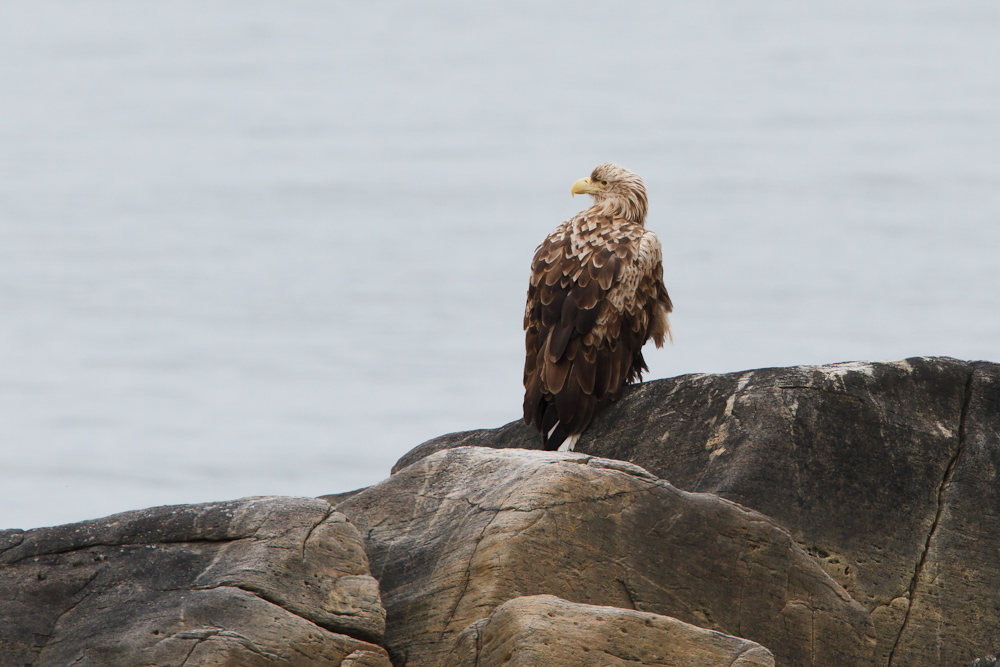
(546, 630)
(258, 581)
(955, 610)
(337, 498)
(514, 435)
(462, 531)
(884, 472)
(988, 661)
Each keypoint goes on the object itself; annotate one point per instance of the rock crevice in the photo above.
(918, 571)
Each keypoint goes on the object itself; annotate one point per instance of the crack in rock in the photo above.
(937, 516)
(468, 577)
(314, 527)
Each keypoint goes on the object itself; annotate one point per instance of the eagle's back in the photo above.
(595, 296)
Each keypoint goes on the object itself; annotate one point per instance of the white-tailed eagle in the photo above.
(596, 295)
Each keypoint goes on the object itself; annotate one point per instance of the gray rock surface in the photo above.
(954, 613)
(258, 581)
(546, 630)
(337, 498)
(885, 472)
(460, 532)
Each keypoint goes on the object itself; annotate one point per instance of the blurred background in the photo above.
(254, 248)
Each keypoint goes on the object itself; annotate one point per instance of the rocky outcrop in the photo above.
(840, 515)
(259, 581)
(884, 472)
(460, 532)
(546, 630)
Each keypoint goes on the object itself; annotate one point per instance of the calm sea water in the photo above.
(256, 248)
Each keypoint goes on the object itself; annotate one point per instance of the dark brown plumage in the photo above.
(596, 295)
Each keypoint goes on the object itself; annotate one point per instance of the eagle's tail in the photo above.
(553, 435)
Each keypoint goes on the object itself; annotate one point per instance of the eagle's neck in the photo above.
(630, 205)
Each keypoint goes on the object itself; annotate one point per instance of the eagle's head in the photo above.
(616, 190)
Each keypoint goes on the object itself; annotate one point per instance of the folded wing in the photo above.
(595, 296)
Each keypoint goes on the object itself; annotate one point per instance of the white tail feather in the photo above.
(569, 443)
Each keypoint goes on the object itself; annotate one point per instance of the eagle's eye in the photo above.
(604, 182)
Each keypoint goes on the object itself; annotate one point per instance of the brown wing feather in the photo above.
(595, 296)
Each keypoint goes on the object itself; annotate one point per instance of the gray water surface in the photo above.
(255, 248)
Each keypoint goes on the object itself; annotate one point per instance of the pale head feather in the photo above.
(625, 193)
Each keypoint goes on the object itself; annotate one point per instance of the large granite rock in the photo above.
(884, 472)
(546, 630)
(953, 613)
(258, 581)
(460, 532)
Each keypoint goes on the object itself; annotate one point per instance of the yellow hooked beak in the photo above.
(585, 186)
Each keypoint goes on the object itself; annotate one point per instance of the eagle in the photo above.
(595, 296)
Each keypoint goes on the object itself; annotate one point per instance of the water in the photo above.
(256, 248)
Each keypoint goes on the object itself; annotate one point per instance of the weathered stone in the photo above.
(337, 498)
(258, 581)
(861, 462)
(546, 630)
(514, 435)
(955, 609)
(462, 531)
